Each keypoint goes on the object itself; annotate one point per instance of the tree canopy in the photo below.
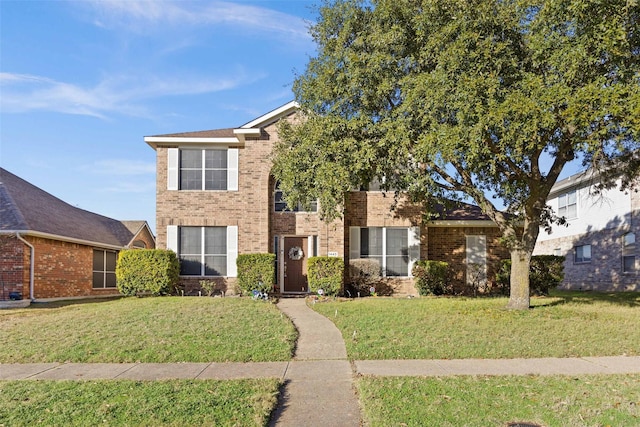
(480, 99)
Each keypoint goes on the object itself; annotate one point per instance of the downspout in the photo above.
(31, 264)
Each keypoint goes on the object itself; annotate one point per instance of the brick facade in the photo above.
(251, 210)
(13, 267)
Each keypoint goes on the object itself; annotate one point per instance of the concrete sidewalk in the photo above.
(292, 369)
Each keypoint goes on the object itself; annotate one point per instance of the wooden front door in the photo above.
(295, 264)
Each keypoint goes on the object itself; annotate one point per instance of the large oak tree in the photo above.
(450, 99)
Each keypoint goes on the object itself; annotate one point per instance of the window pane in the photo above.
(98, 260)
(215, 241)
(190, 240)
(216, 159)
(215, 180)
(371, 242)
(583, 253)
(629, 263)
(111, 280)
(191, 179)
(190, 266)
(98, 279)
(111, 261)
(572, 211)
(397, 241)
(215, 265)
(571, 198)
(191, 159)
(398, 266)
(629, 239)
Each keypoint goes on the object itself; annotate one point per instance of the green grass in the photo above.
(599, 400)
(138, 403)
(167, 329)
(564, 325)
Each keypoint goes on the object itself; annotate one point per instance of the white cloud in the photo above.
(139, 15)
(118, 94)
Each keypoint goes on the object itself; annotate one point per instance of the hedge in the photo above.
(325, 273)
(154, 271)
(545, 272)
(431, 277)
(256, 272)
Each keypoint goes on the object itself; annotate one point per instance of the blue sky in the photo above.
(83, 82)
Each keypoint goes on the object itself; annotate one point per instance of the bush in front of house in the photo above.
(256, 272)
(363, 274)
(147, 271)
(325, 273)
(431, 277)
(545, 273)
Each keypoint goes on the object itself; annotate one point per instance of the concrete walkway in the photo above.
(318, 389)
(318, 382)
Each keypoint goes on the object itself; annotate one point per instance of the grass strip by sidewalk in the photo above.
(564, 325)
(138, 403)
(596, 400)
(164, 329)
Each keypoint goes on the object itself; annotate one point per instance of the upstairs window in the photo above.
(582, 254)
(279, 205)
(203, 169)
(629, 252)
(567, 205)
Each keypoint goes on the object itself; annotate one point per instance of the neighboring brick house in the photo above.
(50, 249)
(216, 198)
(599, 240)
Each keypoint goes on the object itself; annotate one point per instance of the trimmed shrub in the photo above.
(325, 273)
(154, 271)
(431, 277)
(256, 272)
(545, 272)
(364, 273)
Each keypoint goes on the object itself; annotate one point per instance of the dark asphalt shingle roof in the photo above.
(25, 207)
(213, 133)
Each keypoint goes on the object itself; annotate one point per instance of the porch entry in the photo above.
(294, 264)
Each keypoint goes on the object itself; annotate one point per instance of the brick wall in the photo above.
(12, 267)
(64, 269)
(448, 244)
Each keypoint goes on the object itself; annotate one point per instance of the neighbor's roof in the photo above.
(27, 209)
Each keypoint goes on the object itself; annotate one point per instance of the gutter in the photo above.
(31, 265)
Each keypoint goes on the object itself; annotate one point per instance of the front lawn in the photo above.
(596, 400)
(166, 329)
(138, 403)
(564, 325)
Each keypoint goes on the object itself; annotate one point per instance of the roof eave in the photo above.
(62, 238)
(157, 141)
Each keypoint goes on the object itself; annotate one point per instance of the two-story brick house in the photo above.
(599, 239)
(216, 198)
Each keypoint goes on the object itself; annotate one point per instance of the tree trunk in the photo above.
(519, 296)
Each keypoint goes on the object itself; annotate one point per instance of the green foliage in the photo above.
(364, 273)
(256, 272)
(546, 272)
(326, 273)
(476, 95)
(208, 286)
(154, 271)
(432, 277)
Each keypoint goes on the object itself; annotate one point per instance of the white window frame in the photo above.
(173, 168)
(173, 234)
(582, 259)
(565, 202)
(413, 246)
(629, 251)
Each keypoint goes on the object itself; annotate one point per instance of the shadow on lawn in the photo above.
(47, 305)
(626, 299)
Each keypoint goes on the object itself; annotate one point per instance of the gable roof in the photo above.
(25, 208)
(235, 136)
